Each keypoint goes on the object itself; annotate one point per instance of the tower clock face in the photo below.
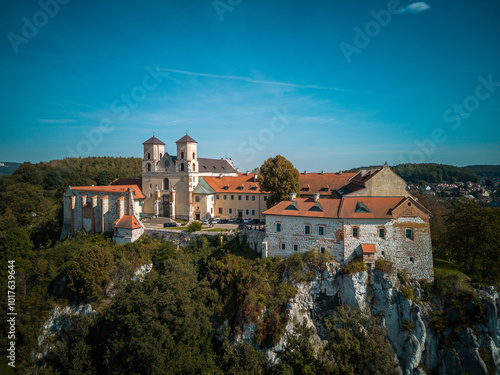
(166, 163)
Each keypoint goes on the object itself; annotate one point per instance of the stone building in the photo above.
(371, 215)
(114, 208)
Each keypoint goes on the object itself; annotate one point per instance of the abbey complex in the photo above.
(369, 213)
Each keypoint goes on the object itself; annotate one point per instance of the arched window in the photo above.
(149, 167)
(149, 156)
(197, 199)
(165, 184)
(194, 167)
(194, 155)
(182, 155)
(182, 166)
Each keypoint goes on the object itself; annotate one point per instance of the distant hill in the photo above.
(486, 171)
(433, 173)
(8, 167)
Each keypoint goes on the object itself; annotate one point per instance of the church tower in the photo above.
(187, 154)
(154, 149)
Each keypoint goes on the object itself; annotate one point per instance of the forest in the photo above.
(186, 314)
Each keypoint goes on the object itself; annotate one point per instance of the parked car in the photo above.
(168, 225)
(233, 220)
(239, 220)
(223, 221)
(247, 220)
(255, 221)
(216, 221)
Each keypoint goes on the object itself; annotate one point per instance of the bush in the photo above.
(384, 266)
(407, 292)
(195, 226)
(355, 266)
(408, 326)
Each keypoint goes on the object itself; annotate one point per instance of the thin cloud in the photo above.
(57, 121)
(251, 80)
(415, 8)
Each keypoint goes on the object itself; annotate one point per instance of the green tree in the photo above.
(279, 177)
(357, 344)
(194, 226)
(472, 240)
(89, 270)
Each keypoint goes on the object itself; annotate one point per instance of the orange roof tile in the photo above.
(378, 207)
(241, 184)
(111, 189)
(312, 183)
(127, 181)
(127, 222)
(368, 248)
(303, 208)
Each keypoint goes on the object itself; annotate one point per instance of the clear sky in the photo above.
(328, 84)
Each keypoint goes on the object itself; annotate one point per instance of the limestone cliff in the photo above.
(420, 343)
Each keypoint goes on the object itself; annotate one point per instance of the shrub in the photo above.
(403, 277)
(355, 266)
(407, 292)
(408, 326)
(194, 226)
(384, 266)
(439, 321)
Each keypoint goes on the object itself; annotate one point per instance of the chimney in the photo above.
(316, 197)
(340, 172)
(220, 176)
(322, 172)
(363, 172)
(247, 172)
(293, 196)
(255, 177)
(305, 172)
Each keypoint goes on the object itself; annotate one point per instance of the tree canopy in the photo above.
(279, 177)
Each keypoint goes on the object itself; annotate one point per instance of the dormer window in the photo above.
(361, 208)
(292, 207)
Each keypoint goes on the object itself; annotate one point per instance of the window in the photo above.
(161, 155)
(383, 253)
(278, 227)
(182, 166)
(197, 199)
(265, 198)
(165, 184)
(381, 232)
(247, 212)
(232, 197)
(409, 233)
(283, 246)
(194, 155)
(149, 156)
(253, 212)
(307, 229)
(253, 197)
(140, 204)
(230, 211)
(239, 197)
(149, 167)
(182, 155)
(412, 260)
(194, 167)
(247, 198)
(150, 186)
(220, 210)
(225, 196)
(140, 215)
(211, 210)
(321, 231)
(322, 250)
(355, 232)
(295, 247)
(217, 196)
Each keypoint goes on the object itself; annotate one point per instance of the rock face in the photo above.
(419, 349)
(57, 327)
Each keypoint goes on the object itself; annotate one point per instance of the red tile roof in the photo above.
(111, 189)
(312, 183)
(153, 140)
(127, 181)
(368, 248)
(379, 207)
(186, 138)
(240, 184)
(127, 222)
(329, 206)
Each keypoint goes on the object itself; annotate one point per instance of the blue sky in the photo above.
(328, 84)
